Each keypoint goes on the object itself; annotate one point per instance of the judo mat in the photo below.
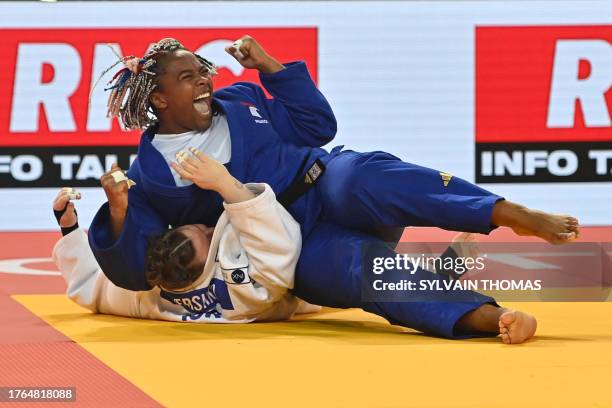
(335, 358)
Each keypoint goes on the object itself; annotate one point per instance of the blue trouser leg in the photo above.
(329, 273)
(362, 190)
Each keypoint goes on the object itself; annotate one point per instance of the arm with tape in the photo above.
(123, 258)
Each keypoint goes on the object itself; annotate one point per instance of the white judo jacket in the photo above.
(248, 273)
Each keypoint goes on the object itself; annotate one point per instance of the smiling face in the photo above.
(183, 97)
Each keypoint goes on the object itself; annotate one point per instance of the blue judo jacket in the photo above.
(270, 140)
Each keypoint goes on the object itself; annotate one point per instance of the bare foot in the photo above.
(516, 327)
(556, 229)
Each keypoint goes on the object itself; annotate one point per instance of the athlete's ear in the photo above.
(158, 101)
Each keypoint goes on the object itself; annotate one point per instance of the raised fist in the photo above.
(250, 54)
(116, 187)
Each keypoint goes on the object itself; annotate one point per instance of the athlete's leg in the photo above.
(361, 190)
(330, 273)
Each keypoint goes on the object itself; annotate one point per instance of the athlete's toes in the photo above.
(508, 318)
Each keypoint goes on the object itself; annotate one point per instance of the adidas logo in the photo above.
(446, 178)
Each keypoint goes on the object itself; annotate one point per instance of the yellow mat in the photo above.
(348, 359)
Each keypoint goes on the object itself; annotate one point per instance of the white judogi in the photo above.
(248, 272)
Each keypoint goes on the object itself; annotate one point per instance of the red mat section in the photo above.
(24, 245)
(34, 354)
(27, 244)
(66, 364)
(21, 326)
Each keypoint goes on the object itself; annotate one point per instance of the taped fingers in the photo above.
(237, 49)
(239, 52)
(72, 194)
(188, 162)
(198, 154)
(64, 196)
(62, 204)
(120, 176)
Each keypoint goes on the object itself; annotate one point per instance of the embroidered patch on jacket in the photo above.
(238, 276)
(255, 113)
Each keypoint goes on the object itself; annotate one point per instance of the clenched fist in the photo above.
(250, 54)
(116, 189)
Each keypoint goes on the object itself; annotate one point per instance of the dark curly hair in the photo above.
(170, 261)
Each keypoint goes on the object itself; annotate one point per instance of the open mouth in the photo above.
(201, 103)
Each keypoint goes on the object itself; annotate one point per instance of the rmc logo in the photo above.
(569, 87)
(543, 103)
(50, 72)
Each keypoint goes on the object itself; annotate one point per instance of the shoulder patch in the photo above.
(236, 276)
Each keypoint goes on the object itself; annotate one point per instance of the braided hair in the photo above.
(132, 85)
(169, 261)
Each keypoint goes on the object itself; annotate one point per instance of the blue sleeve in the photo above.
(122, 261)
(299, 112)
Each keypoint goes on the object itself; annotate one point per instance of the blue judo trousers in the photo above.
(355, 202)
(360, 190)
(333, 271)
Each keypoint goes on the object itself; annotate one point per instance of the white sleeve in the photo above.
(86, 283)
(270, 237)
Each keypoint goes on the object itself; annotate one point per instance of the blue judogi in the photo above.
(271, 140)
(333, 271)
